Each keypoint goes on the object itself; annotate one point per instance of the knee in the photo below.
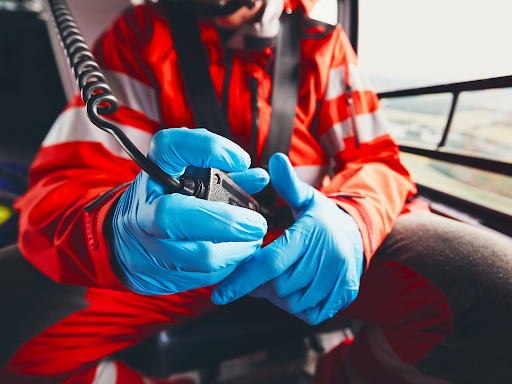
(463, 260)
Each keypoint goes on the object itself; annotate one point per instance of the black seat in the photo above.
(30, 302)
(240, 328)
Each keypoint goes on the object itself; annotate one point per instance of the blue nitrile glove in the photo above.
(167, 243)
(313, 269)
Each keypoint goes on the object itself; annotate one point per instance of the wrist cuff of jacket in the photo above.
(108, 233)
(98, 217)
(364, 223)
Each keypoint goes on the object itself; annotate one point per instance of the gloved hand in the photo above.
(313, 269)
(167, 243)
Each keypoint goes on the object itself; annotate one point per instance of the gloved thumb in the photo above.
(296, 193)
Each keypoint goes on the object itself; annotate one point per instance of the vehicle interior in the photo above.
(455, 138)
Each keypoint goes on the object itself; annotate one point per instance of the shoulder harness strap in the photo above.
(194, 68)
(285, 87)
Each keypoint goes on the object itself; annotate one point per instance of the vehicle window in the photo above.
(415, 43)
(485, 188)
(440, 42)
(418, 120)
(482, 125)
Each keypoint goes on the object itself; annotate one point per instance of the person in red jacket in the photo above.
(150, 261)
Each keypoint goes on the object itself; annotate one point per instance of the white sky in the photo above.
(448, 40)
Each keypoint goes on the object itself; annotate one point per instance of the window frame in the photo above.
(455, 89)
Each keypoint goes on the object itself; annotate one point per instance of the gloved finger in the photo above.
(251, 181)
(320, 287)
(287, 184)
(192, 280)
(170, 281)
(265, 265)
(340, 297)
(180, 217)
(199, 256)
(265, 291)
(175, 149)
(298, 276)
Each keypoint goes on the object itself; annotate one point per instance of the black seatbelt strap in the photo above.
(194, 68)
(285, 87)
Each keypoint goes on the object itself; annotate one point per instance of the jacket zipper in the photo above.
(228, 62)
(350, 102)
(253, 88)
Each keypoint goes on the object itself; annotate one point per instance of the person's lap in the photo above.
(437, 304)
(430, 292)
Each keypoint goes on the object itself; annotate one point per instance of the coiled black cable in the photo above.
(95, 91)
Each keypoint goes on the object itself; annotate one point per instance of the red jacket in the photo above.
(78, 162)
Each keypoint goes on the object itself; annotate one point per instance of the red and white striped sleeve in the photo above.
(78, 162)
(369, 167)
